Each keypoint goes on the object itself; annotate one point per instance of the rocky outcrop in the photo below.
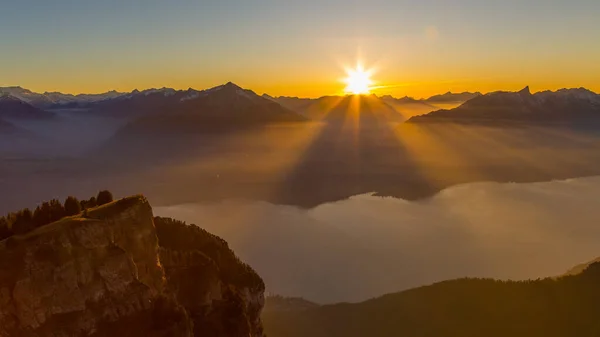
(103, 274)
(210, 281)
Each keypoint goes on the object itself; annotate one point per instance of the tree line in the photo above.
(25, 220)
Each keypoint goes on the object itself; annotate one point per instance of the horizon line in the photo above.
(287, 96)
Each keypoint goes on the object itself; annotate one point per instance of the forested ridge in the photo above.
(25, 220)
(565, 306)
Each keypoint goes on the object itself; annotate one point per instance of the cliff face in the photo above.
(105, 275)
(210, 281)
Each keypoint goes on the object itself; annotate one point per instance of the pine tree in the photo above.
(5, 231)
(57, 211)
(104, 197)
(91, 203)
(22, 222)
(72, 206)
(41, 215)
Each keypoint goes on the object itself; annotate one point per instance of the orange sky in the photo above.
(300, 48)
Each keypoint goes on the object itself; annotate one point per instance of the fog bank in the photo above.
(366, 246)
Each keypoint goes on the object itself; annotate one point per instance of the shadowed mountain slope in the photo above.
(562, 106)
(12, 107)
(222, 108)
(339, 108)
(566, 306)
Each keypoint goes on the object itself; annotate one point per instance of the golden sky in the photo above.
(300, 49)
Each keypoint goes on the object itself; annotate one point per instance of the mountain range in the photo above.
(405, 107)
(229, 105)
(450, 97)
(547, 107)
(56, 99)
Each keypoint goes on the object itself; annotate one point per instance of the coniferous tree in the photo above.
(72, 206)
(104, 197)
(5, 230)
(41, 215)
(91, 203)
(57, 210)
(37, 217)
(22, 222)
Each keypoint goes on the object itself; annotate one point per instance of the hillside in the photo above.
(12, 107)
(114, 270)
(562, 106)
(567, 306)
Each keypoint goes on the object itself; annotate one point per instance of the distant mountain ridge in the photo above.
(11, 107)
(339, 107)
(56, 99)
(564, 105)
(546, 106)
(451, 97)
(405, 107)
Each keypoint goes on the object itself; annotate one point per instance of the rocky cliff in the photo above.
(108, 273)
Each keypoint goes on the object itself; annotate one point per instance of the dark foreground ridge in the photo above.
(565, 306)
(115, 270)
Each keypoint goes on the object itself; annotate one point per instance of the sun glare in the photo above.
(358, 81)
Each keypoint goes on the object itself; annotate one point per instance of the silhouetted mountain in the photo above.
(57, 99)
(566, 105)
(12, 107)
(405, 99)
(340, 107)
(300, 105)
(224, 107)
(409, 106)
(267, 96)
(566, 306)
(450, 97)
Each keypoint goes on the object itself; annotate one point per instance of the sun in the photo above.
(358, 81)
